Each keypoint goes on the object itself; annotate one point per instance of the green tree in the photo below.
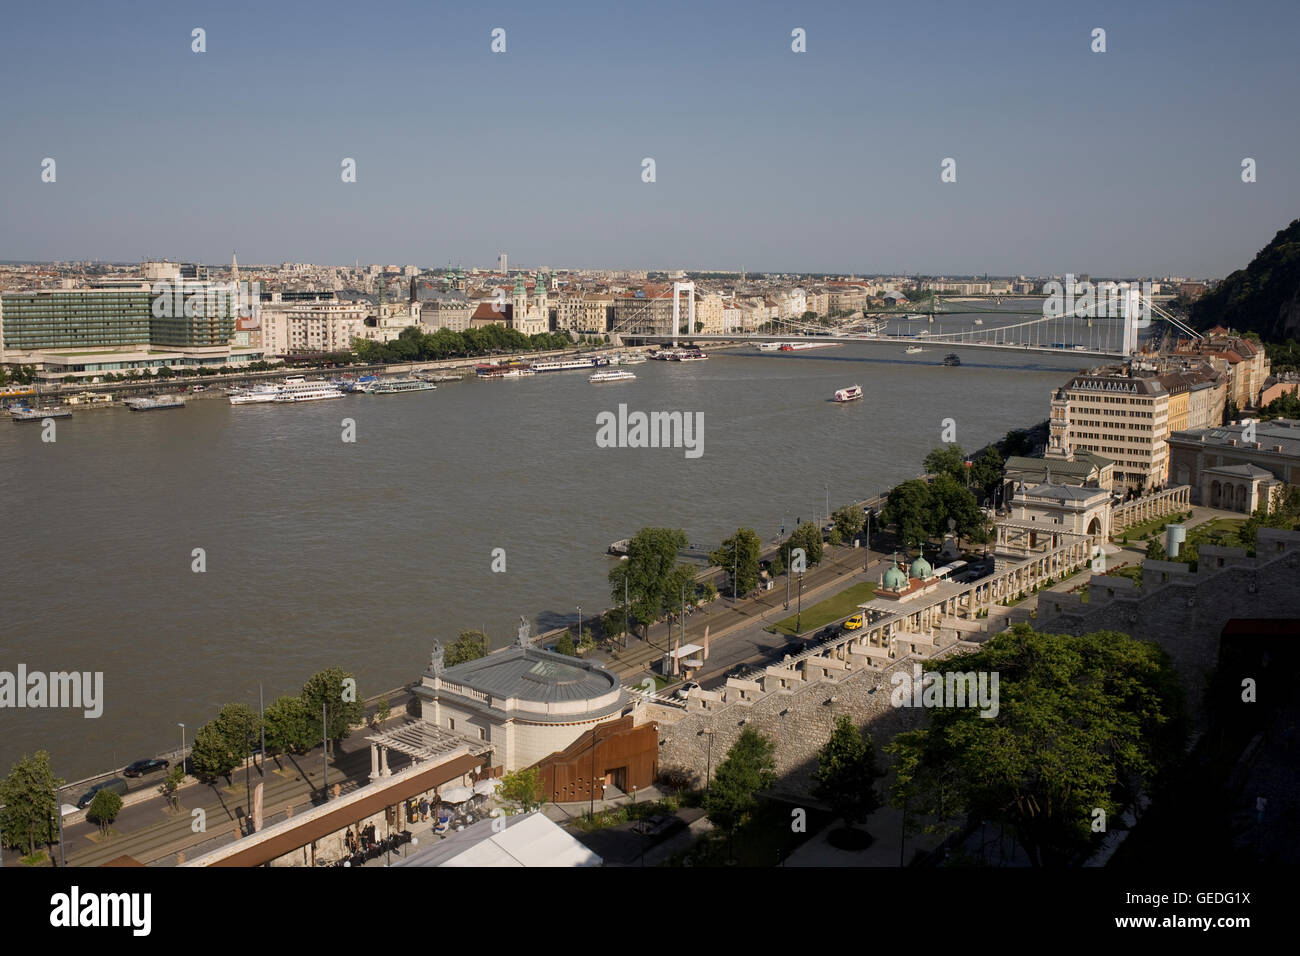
(749, 767)
(1081, 723)
(171, 785)
(848, 521)
(383, 711)
(29, 795)
(807, 536)
(523, 789)
(564, 645)
(986, 473)
(1156, 551)
(611, 623)
(103, 810)
(947, 460)
(738, 556)
(468, 646)
(908, 509)
(336, 689)
(210, 754)
(291, 727)
(949, 499)
(845, 778)
(648, 573)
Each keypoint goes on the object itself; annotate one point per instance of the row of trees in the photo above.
(18, 375)
(293, 724)
(412, 345)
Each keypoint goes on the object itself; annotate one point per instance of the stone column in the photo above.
(374, 762)
(383, 763)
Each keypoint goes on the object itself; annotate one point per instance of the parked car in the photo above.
(117, 785)
(142, 767)
(853, 623)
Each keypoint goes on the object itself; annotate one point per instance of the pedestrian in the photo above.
(424, 809)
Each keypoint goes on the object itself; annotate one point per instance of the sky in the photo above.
(1122, 163)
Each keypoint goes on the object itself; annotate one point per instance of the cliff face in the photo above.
(1264, 297)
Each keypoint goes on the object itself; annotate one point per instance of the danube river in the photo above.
(321, 552)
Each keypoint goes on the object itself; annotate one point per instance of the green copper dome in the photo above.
(895, 579)
(520, 288)
(921, 568)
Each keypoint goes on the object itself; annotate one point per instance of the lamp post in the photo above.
(182, 727)
(798, 621)
(325, 750)
(866, 542)
(579, 623)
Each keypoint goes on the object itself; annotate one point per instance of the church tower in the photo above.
(519, 300)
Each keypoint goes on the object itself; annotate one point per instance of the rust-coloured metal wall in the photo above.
(623, 755)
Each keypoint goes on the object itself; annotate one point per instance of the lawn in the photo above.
(1149, 527)
(766, 840)
(832, 609)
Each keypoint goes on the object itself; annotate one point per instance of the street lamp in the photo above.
(182, 727)
(579, 623)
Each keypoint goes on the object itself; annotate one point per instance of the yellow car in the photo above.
(853, 623)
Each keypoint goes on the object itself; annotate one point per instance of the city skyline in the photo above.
(827, 160)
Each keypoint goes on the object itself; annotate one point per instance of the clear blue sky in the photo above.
(1126, 162)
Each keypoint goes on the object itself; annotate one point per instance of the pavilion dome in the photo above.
(895, 580)
(921, 568)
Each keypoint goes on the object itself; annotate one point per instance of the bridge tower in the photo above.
(689, 289)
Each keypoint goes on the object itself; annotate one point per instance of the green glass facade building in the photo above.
(75, 318)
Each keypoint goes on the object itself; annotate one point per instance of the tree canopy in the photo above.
(29, 795)
(739, 554)
(414, 345)
(652, 573)
(468, 646)
(336, 689)
(807, 536)
(1083, 723)
(749, 767)
(845, 778)
(104, 808)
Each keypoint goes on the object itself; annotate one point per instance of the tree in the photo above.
(738, 556)
(523, 789)
(210, 755)
(947, 460)
(986, 473)
(564, 645)
(807, 536)
(748, 768)
(291, 727)
(469, 646)
(104, 809)
(648, 572)
(848, 521)
(1016, 442)
(611, 623)
(336, 689)
(951, 500)
(171, 785)
(908, 509)
(1081, 723)
(29, 795)
(383, 711)
(1156, 551)
(846, 773)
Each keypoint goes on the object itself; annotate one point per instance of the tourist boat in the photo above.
(913, 349)
(628, 358)
(769, 346)
(257, 395)
(298, 389)
(804, 346)
(951, 359)
(691, 353)
(611, 375)
(395, 385)
(848, 394)
(979, 321)
(568, 365)
(38, 414)
(153, 404)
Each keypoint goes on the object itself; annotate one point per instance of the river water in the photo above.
(321, 552)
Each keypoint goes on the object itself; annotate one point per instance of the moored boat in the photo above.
(153, 403)
(395, 385)
(913, 349)
(611, 375)
(298, 389)
(38, 414)
(951, 359)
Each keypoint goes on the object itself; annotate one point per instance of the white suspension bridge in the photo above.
(1082, 331)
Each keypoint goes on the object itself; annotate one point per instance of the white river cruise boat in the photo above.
(257, 395)
(396, 385)
(611, 375)
(298, 389)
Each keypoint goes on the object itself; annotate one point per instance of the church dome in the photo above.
(895, 580)
(921, 568)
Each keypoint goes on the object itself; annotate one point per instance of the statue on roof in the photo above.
(436, 658)
(522, 639)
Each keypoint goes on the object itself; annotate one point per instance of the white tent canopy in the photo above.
(528, 840)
